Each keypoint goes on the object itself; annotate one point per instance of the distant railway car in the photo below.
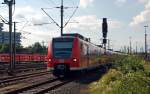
(72, 52)
(4, 58)
(38, 57)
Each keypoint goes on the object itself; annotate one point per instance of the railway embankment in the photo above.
(129, 75)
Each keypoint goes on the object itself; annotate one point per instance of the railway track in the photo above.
(4, 67)
(46, 84)
(40, 88)
(23, 69)
(52, 86)
(17, 72)
(49, 86)
(16, 79)
(20, 69)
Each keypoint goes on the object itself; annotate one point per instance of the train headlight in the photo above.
(49, 60)
(74, 60)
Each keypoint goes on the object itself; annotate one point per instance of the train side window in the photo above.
(87, 52)
(81, 48)
(85, 47)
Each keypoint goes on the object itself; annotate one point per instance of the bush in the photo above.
(106, 58)
(114, 82)
(104, 86)
(127, 77)
(129, 64)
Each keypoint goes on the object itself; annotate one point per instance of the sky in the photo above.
(126, 20)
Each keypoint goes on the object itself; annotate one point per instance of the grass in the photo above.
(129, 75)
(147, 66)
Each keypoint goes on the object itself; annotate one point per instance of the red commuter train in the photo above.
(72, 52)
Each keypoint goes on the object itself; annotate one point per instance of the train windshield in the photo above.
(62, 47)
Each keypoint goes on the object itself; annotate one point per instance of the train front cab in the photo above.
(63, 55)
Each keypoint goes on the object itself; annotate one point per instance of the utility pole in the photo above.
(10, 3)
(145, 41)
(62, 11)
(125, 49)
(14, 46)
(136, 48)
(108, 43)
(142, 49)
(43, 43)
(128, 50)
(130, 45)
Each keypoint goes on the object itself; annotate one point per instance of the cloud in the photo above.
(91, 26)
(24, 12)
(120, 2)
(143, 17)
(88, 25)
(29, 19)
(38, 36)
(85, 3)
(91, 23)
(29, 13)
(142, 1)
(115, 24)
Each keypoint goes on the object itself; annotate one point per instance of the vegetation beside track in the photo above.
(129, 75)
(107, 58)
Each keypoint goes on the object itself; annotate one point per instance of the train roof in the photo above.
(77, 35)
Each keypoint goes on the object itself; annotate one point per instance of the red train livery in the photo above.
(72, 52)
(4, 58)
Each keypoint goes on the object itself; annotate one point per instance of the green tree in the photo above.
(37, 48)
(0, 46)
(4, 48)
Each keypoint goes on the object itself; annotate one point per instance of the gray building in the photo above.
(4, 36)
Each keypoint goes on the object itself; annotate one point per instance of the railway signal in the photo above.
(104, 31)
(104, 27)
(104, 41)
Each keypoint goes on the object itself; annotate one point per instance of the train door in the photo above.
(85, 55)
(88, 56)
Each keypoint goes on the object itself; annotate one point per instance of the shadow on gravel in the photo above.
(92, 75)
(88, 76)
(81, 80)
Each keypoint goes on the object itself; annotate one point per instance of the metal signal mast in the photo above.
(104, 31)
(62, 12)
(10, 3)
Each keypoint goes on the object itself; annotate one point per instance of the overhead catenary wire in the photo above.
(24, 26)
(40, 24)
(50, 17)
(71, 16)
(62, 9)
(3, 19)
(50, 8)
